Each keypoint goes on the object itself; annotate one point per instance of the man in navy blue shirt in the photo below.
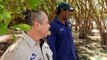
(60, 40)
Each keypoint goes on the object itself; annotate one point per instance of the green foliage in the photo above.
(6, 17)
(21, 27)
(13, 38)
(10, 9)
(1, 17)
(1, 24)
(34, 3)
(3, 30)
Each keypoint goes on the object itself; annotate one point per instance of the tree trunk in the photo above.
(104, 40)
(82, 33)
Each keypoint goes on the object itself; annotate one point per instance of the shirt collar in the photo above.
(56, 20)
(28, 39)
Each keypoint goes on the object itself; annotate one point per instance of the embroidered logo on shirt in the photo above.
(33, 56)
(61, 29)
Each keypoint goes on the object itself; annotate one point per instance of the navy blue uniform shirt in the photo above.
(61, 41)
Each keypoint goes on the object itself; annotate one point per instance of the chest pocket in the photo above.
(62, 32)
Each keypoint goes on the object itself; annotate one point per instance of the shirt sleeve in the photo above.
(51, 41)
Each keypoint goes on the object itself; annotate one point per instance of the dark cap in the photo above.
(65, 5)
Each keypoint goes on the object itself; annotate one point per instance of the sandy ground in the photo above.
(89, 48)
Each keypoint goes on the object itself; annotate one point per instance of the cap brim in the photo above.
(71, 9)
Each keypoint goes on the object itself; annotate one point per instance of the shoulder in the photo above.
(14, 46)
(14, 49)
(17, 45)
(54, 24)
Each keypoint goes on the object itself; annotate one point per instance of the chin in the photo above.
(65, 19)
(45, 36)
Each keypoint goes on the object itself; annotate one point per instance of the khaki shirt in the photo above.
(27, 49)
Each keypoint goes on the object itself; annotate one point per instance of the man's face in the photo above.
(65, 14)
(44, 27)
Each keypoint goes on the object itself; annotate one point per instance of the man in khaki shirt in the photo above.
(31, 45)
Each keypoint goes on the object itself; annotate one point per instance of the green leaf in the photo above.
(1, 24)
(3, 30)
(34, 3)
(13, 38)
(1, 6)
(6, 21)
(24, 27)
(1, 17)
(6, 17)
(6, 14)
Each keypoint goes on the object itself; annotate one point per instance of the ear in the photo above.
(62, 10)
(36, 24)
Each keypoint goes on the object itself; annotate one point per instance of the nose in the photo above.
(49, 25)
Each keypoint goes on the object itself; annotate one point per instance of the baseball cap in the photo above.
(65, 5)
